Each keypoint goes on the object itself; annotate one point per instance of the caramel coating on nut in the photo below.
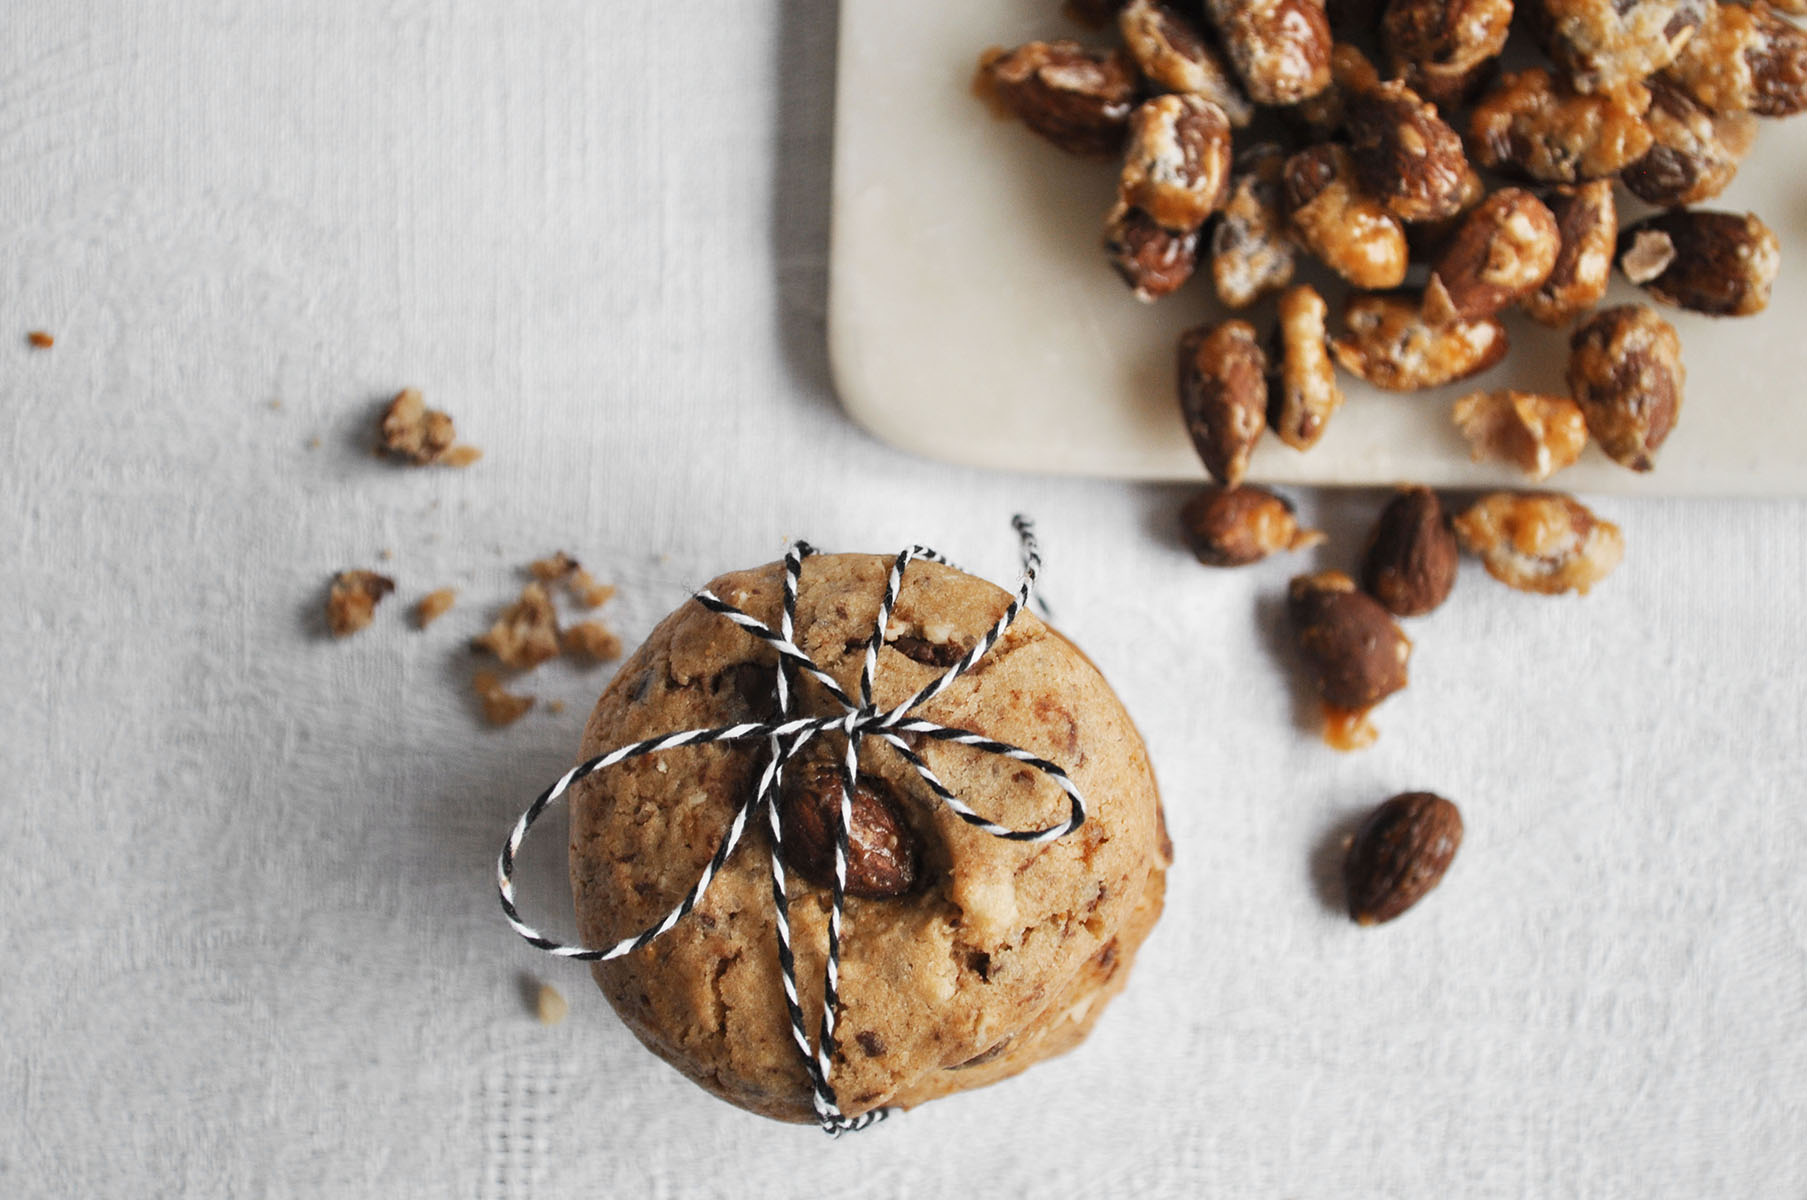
(1280, 48)
(1176, 167)
(1349, 230)
(1354, 652)
(1223, 395)
(1390, 344)
(1307, 395)
(1079, 99)
(1537, 433)
(1695, 151)
(1745, 57)
(1405, 155)
(1542, 542)
(1549, 132)
(1233, 527)
(1251, 253)
(1153, 261)
(1588, 226)
(1410, 561)
(1718, 263)
(1322, 116)
(1175, 56)
(1443, 48)
(1626, 373)
(1505, 249)
(1607, 44)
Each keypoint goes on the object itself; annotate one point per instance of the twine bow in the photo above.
(786, 736)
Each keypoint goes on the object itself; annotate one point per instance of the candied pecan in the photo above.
(1223, 395)
(1390, 344)
(1504, 250)
(1175, 56)
(1410, 562)
(1444, 49)
(1340, 223)
(1405, 155)
(1696, 151)
(1280, 48)
(1300, 407)
(1548, 131)
(1603, 45)
(1745, 57)
(1540, 541)
(1589, 224)
(1354, 652)
(1078, 99)
(1152, 260)
(1539, 434)
(1718, 263)
(1233, 527)
(352, 600)
(1177, 164)
(1251, 253)
(1625, 371)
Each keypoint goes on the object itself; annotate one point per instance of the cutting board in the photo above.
(972, 316)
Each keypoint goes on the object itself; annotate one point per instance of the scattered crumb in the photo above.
(385, 554)
(550, 1005)
(592, 640)
(353, 600)
(554, 569)
(313, 443)
(588, 592)
(432, 606)
(276, 406)
(556, 707)
(40, 340)
(420, 435)
(500, 706)
(526, 634)
(562, 568)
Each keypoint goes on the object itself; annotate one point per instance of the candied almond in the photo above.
(1175, 56)
(1079, 99)
(1223, 395)
(1537, 433)
(1176, 167)
(1548, 131)
(1251, 253)
(1745, 58)
(1695, 151)
(1606, 44)
(1279, 48)
(1153, 261)
(1542, 542)
(1349, 230)
(1305, 393)
(1588, 226)
(1233, 527)
(1390, 344)
(1719, 263)
(1353, 651)
(1625, 372)
(1443, 49)
(1405, 155)
(1504, 250)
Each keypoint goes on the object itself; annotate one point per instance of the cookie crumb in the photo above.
(562, 568)
(553, 569)
(550, 1005)
(556, 707)
(385, 554)
(40, 340)
(313, 443)
(416, 434)
(587, 591)
(352, 602)
(500, 706)
(433, 605)
(592, 640)
(526, 634)
(275, 406)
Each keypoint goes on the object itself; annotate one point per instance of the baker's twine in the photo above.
(786, 737)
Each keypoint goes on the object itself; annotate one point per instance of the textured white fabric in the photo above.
(249, 935)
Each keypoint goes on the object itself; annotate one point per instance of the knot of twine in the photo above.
(786, 737)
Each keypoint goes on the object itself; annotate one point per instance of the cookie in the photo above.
(999, 954)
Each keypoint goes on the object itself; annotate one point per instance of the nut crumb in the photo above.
(500, 706)
(416, 434)
(550, 1005)
(432, 606)
(40, 340)
(553, 569)
(587, 592)
(352, 602)
(556, 707)
(592, 640)
(313, 443)
(526, 633)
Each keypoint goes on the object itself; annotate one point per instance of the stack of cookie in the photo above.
(965, 957)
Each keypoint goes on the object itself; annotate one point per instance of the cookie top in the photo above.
(991, 932)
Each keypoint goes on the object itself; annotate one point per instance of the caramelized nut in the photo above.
(1718, 263)
(1152, 260)
(1251, 254)
(1538, 434)
(1745, 57)
(1410, 563)
(1322, 116)
(1332, 217)
(1695, 153)
(1233, 527)
(881, 846)
(1504, 250)
(1443, 49)
(1588, 224)
(1626, 373)
(1604, 45)
(1223, 395)
(1353, 650)
(1307, 395)
(1399, 854)
(1540, 541)
(1550, 132)
(1390, 344)
(1175, 56)
(1280, 48)
(1078, 99)
(1405, 155)
(1177, 165)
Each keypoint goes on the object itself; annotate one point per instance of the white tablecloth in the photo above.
(249, 936)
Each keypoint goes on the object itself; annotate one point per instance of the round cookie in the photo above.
(1001, 954)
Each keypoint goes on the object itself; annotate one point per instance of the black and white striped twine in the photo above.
(786, 736)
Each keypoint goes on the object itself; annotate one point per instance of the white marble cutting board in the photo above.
(973, 318)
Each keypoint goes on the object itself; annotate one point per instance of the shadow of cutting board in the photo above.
(972, 316)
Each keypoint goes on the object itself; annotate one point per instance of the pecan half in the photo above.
(1718, 263)
(1541, 542)
(1336, 220)
(1153, 261)
(1175, 56)
(881, 846)
(1251, 253)
(1539, 434)
(1223, 395)
(1504, 250)
(1353, 651)
(1410, 563)
(1233, 527)
(1399, 854)
(1444, 48)
(1606, 44)
(1626, 373)
(1548, 131)
(1695, 153)
(1745, 57)
(1176, 167)
(1588, 224)
(1078, 99)
(1390, 344)
(1405, 155)
(1280, 48)
(1306, 395)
